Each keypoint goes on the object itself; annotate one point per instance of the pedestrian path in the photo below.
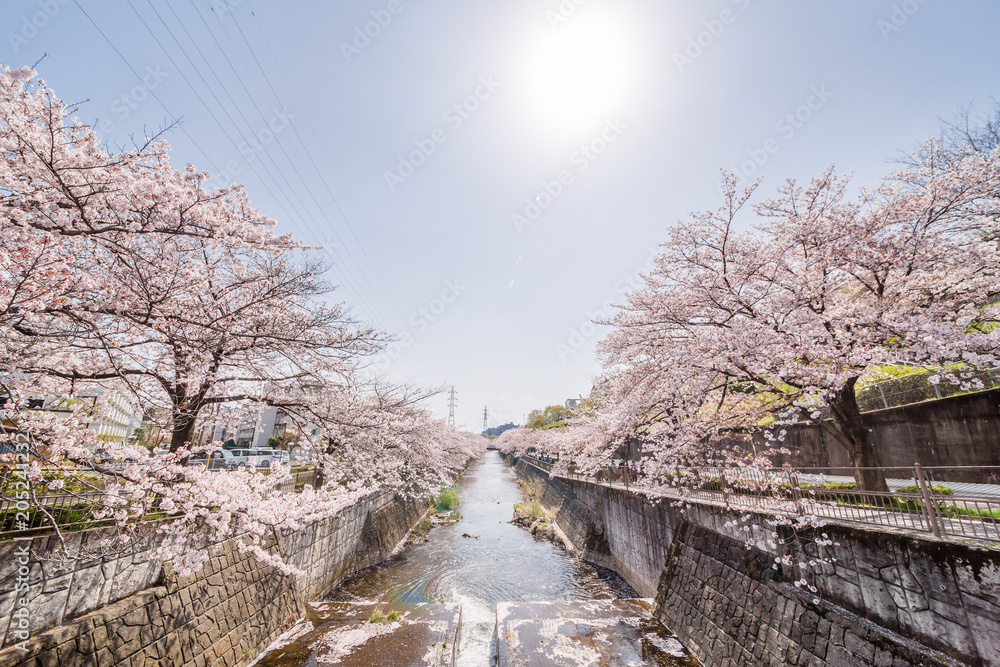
(959, 488)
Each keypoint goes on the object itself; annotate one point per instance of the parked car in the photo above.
(217, 459)
(103, 456)
(258, 458)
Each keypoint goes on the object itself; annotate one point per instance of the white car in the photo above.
(258, 458)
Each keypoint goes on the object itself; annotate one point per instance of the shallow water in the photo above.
(505, 564)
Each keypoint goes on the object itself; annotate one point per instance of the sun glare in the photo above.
(581, 72)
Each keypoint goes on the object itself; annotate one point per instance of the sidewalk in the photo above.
(960, 488)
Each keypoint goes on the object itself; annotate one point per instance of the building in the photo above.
(258, 428)
(118, 415)
(497, 430)
(115, 414)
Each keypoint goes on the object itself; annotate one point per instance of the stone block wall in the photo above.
(883, 598)
(956, 431)
(729, 607)
(621, 531)
(60, 590)
(132, 611)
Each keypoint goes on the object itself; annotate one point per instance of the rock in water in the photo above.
(544, 531)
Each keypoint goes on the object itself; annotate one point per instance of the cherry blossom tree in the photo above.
(190, 327)
(755, 329)
(61, 191)
(121, 271)
(70, 209)
(380, 436)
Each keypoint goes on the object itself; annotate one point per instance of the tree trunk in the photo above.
(856, 437)
(181, 434)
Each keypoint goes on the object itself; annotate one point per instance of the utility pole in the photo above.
(451, 406)
(486, 413)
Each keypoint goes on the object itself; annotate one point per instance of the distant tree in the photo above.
(140, 438)
(550, 415)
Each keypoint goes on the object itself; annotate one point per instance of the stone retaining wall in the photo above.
(131, 610)
(887, 599)
(956, 431)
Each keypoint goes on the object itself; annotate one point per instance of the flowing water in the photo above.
(504, 564)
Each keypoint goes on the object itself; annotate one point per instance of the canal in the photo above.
(499, 563)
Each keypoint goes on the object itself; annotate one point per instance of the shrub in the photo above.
(936, 489)
(832, 486)
(421, 528)
(379, 616)
(840, 486)
(953, 511)
(532, 510)
(448, 499)
(534, 488)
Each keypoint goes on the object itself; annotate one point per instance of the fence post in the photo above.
(725, 486)
(793, 480)
(930, 510)
(882, 392)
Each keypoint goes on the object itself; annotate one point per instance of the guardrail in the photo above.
(919, 499)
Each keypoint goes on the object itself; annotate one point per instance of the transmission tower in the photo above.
(452, 402)
(486, 414)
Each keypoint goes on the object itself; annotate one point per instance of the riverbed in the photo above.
(500, 563)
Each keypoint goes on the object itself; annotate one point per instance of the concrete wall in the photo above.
(957, 431)
(887, 599)
(131, 610)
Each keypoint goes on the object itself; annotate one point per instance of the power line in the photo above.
(304, 218)
(284, 191)
(295, 96)
(308, 153)
(139, 77)
(304, 149)
(292, 163)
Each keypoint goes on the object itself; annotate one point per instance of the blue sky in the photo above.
(489, 177)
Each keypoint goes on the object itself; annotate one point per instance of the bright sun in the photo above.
(582, 72)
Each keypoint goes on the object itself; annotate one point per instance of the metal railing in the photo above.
(81, 502)
(917, 388)
(25, 508)
(298, 480)
(919, 499)
(69, 510)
